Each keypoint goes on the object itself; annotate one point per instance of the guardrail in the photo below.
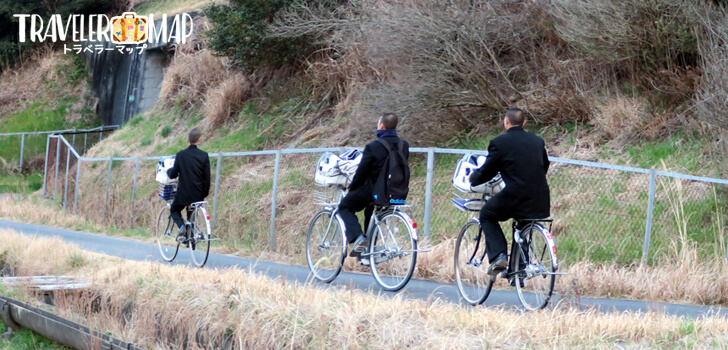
(602, 210)
(23, 136)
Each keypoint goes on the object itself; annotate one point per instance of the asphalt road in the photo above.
(420, 289)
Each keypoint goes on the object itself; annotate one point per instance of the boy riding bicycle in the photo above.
(192, 165)
(361, 191)
(522, 161)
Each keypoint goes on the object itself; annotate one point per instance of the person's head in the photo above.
(387, 121)
(194, 137)
(514, 117)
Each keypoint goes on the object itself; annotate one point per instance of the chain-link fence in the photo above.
(263, 200)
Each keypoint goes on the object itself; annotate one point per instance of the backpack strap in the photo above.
(385, 144)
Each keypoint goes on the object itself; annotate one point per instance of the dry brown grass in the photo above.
(224, 101)
(24, 83)
(162, 306)
(190, 76)
(685, 278)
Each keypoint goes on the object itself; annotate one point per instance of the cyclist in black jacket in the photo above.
(522, 160)
(360, 196)
(192, 165)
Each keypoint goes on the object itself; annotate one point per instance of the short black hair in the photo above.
(194, 135)
(389, 120)
(515, 116)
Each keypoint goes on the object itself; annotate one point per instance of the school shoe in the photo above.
(498, 265)
(182, 234)
(359, 246)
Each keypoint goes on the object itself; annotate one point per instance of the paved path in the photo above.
(421, 289)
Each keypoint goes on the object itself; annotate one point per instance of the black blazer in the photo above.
(192, 165)
(522, 160)
(372, 161)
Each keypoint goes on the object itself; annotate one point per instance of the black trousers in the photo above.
(495, 240)
(176, 211)
(356, 201)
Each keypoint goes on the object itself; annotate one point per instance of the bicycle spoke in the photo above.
(536, 292)
(325, 246)
(474, 284)
(199, 244)
(166, 237)
(391, 266)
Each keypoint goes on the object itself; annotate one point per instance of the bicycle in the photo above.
(532, 261)
(198, 233)
(392, 251)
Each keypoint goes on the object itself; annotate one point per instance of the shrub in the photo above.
(166, 130)
(240, 32)
(712, 103)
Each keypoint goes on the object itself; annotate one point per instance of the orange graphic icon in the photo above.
(129, 28)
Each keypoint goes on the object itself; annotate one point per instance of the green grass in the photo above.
(27, 340)
(21, 183)
(35, 118)
(166, 130)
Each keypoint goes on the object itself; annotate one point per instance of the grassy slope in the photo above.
(60, 95)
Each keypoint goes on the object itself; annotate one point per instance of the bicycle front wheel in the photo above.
(474, 283)
(166, 235)
(199, 243)
(393, 252)
(536, 268)
(325, 246)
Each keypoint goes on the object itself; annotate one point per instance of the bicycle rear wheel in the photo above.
(166, 235)
(325, 246)
(199, 243)
(392, 252)
(536, 258)
(473, 281)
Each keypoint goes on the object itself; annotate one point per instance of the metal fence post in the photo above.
(273, 202)
(58, 159)
(22, 148)
(217, 187)
(108, 183)
(648, 224)
(45, 167)
(428, 190)
(101, 134)
(133, 192)
(85, 139)
(78, 179)
(74, 139)
(65, 189)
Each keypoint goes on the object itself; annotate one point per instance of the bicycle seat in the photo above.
(197, 204)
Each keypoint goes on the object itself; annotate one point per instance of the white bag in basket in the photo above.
(163, 165)
(334, 170)
(466, 166)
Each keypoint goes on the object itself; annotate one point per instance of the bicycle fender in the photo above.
(552, 244)
(410, 222)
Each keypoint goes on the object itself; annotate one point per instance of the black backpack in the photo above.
(392, 184)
